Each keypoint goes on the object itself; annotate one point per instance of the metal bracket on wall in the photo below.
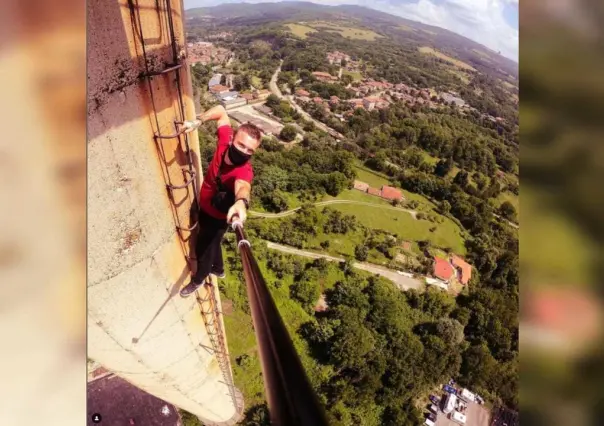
(170, 68)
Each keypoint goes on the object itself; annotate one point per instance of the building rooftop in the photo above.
(391, 193)
(219, 88)
(465, 267)
(443, 269)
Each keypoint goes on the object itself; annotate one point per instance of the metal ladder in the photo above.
(209, 307)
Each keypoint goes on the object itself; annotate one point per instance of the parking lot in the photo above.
(477, 415)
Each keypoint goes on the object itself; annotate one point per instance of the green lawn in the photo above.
(431, 51)
(357, 76)
(447, 234)
(356, 195)
(256, 82)
(429, 159)
(374, 179)
(300, 30)
(346, 31)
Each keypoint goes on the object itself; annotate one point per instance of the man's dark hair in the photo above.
(250, 129)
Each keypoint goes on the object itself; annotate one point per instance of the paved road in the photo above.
(273, 83)
(402, 282)
(512, 224)
(413, 213)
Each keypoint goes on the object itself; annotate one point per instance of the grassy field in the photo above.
(401, 223)
(404, 28)
(256, 82)
(357, 76)
(430, 51)
(300, 30)
(482, 54)
(429, 159)
(369, 176)
(346, 31)
(376, 180)
(508, 85)
(462, 76)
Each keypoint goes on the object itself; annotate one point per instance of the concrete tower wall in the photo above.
(138, 325)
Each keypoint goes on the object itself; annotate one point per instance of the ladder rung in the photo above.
(165, 71)
(175, 135)
(181, 228)
(187, 183)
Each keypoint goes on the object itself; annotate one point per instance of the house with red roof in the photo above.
(443, 270)
(302, 92)
(219, 88)
(374, 191)
(361, 186)
(391, 193)
(464, 269)
(323, 76)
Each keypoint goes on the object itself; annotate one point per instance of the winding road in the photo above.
(274, 87)
(413, 213)
(401, 281)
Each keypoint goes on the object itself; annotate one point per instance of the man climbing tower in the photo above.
(225, 192)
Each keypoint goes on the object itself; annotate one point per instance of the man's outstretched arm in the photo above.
(242, 191)
(216, 113)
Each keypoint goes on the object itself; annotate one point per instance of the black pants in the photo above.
(207, 249)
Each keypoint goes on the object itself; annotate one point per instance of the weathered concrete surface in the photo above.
(138, 325)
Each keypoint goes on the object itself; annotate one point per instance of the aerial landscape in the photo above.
(384, 211)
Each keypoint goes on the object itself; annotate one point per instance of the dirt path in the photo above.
(402, 282)
(413, 213)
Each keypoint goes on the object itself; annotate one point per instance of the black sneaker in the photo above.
(219, 274)
(190, 288)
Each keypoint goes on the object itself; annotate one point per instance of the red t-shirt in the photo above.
(229, 173)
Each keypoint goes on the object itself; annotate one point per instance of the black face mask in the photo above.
(237, 157)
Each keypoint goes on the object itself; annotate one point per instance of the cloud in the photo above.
(480, 20)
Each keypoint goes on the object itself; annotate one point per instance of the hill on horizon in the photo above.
(394, 27)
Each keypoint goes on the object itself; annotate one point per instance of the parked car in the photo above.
(434, 408)
(434, 399)
(449, 389)
(432, 417)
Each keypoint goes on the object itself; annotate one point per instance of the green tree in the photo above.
(450, 330)
(361, 252)
(443, 167)
(335, 183)
(288, 133)
(306, 292)
(507, 210)
(352, 341)
(272, 101)
(445, 207)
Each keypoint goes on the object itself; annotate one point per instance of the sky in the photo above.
(492, 23)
